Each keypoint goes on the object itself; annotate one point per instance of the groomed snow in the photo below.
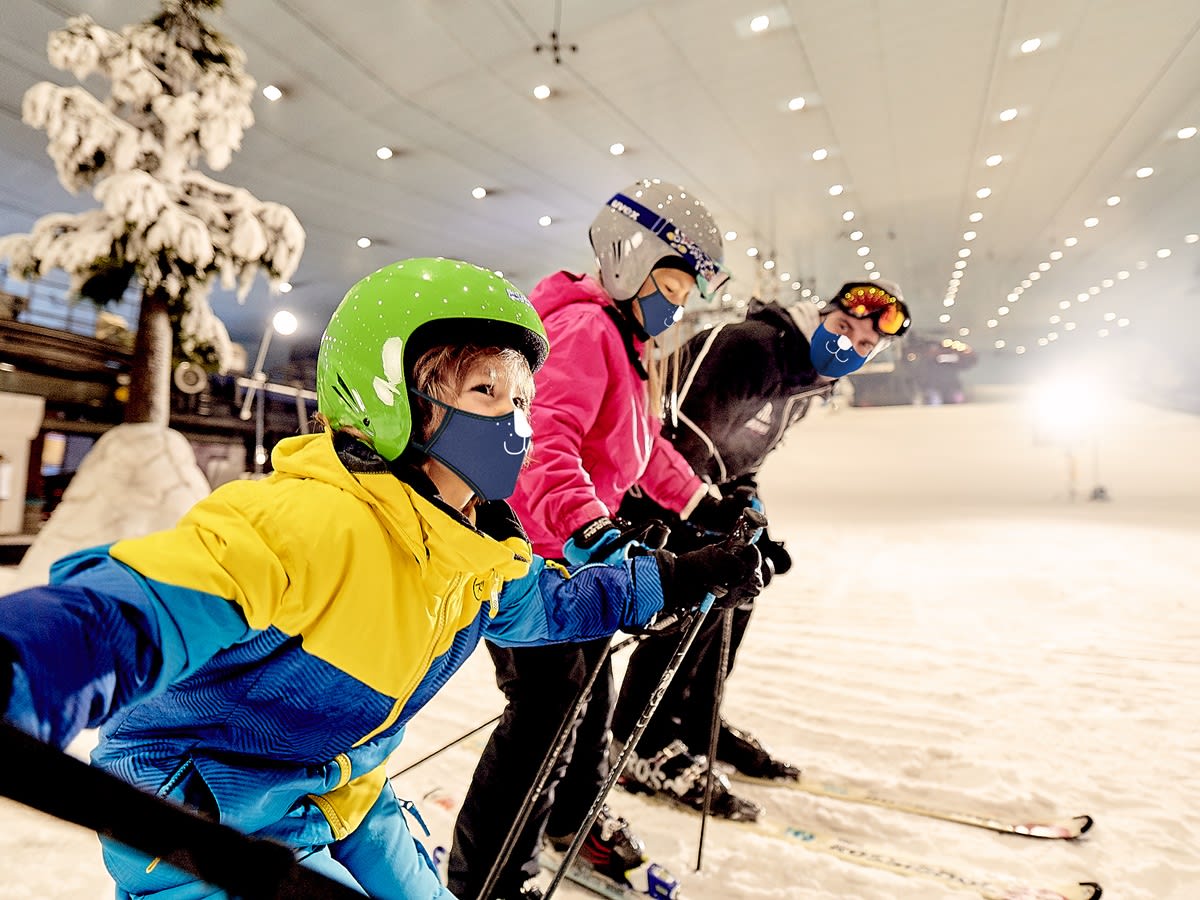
(956, 626)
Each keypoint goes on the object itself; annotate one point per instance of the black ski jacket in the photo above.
(741, 386)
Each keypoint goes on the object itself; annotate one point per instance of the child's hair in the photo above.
(440, 372)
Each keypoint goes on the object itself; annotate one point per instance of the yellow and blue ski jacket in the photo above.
(260, 660)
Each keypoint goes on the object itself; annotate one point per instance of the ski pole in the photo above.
(565, 729)
(43, 777)
(715, 730)
(492, 721)
(654, 535)
(750, 521)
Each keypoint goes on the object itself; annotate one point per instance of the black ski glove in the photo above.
(732, 574)
(720, 515)
(775, 557)
(604, 540)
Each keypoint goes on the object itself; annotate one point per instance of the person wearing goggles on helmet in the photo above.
(260, 661)
(655, 244)
(745, 384)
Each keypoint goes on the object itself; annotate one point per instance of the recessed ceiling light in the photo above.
(1082, 297)
(616, 149)
(820, 153)
(992, 323)
(1027, 283)
(835, 190)
(1043, 267)
(1184, 133)
(863, 251)
(1013, 297)
(1110, 317)
(1009, 114)
(542, 91)
(1144, 172)
(1003, 311)
(1140, 265)
(479, 192)
(1053, 335)
(969, 235)
(1042, 342)
(1163, 253)
(961, 264)
(1056, 254)
(731, 235)
(1103, 332)
(975, 217)
(385, 153)
(848, 216)
(1034, 276)
(1054, 320)
(1107, 283)
(856, 235)
(544, 221)
(944, 318)
(983, 193)
(1122, 322)
(760, 23)
(1091, 222)
(1122, 275)
(1191, 238)
(963, 332)
(768, 264)
(1113, 200)
(364, 242)
(785, 276)
(1093, 290)
(1030, 45)
(272, 93)
(869, 265)
(949, 301)
(795, 285)
(1070, 242)
(752, 252)
(1020, 351)
(285, 287)
(964, 252)
(873, 275)
(994, 160)
(999, 345)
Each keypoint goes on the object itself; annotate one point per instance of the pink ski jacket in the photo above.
(593, 435)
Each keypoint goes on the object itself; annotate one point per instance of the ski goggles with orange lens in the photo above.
(888, 314)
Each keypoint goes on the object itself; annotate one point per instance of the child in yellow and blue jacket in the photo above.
(260, 661)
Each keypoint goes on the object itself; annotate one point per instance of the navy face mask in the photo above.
(486, 452)
(833, 355)
(658, 313)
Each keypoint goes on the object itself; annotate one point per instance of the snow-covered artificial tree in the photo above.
(180, 93)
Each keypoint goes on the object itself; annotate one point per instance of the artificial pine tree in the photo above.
(180, 93)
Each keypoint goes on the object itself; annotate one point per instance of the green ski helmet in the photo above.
(388, 319)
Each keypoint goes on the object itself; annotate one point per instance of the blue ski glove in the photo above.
(609, 541)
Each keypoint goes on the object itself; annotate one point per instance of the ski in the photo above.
(589, 879)
(989, 889)
(1051, 828)
(875, 858)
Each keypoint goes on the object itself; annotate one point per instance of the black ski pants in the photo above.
(541, 685)
(686, 709)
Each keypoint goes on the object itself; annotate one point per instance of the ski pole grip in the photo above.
(749, 526)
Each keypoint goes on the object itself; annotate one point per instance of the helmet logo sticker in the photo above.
(393, 370)
(517, 296)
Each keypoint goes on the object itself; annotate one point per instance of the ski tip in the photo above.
(1086, 823)
(1096, 890)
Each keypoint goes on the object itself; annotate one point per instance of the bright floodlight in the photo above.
(1068, 408)
(284, 322)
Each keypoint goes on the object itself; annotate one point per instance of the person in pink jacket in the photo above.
(656, 245)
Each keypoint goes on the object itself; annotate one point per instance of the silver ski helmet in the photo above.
(651, 220)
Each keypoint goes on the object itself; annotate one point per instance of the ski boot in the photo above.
(615, 852)
(745, 753)
(677, 775)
